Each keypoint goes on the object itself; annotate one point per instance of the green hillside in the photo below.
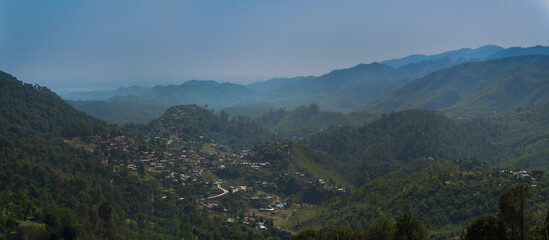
(122, 109)
(248, 110)
(473, 88)
(305, 121)
(526, 136)
(33, 109)
(66, 175)
(444, 195)
(191, 122)
(521, 85)
(395, 139)
(289, 157)
(348, 97)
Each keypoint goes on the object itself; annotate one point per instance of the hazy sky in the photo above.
(107, 43)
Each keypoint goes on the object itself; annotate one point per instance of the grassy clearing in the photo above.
(207, 148)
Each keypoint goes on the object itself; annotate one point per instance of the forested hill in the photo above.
(191, 122)
(526, 137)
(305, 121)
(216, 95)
(44, 180)
(444, 195)
(32, 108)
(474, 87)
(395, 139)
(65, 175)
(122, 109)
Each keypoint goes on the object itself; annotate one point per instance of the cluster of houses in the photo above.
(521, 175)
(327, 186)
(248, 221)
(255, 165)
(185, 162)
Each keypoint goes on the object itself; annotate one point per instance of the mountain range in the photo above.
(376, 87)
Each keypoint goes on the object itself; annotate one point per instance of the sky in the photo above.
(101, 44)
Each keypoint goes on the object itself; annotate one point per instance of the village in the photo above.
(194, 163)
(520, 176)
(201, 164)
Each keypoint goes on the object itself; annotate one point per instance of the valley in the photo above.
(429, 143)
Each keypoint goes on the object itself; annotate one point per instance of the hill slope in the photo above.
(122, 109)
(58, 180)
(526, 137)
(393, 140)
(27, 107)
(444, 195)
(191, 122)
(495, 85)
(297, 169)
(305, 121)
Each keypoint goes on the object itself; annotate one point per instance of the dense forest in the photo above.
(395, 139)
(56, 181)
(194, 122)
(306, 121)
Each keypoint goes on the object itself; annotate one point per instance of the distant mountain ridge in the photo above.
(341, 90)
(463, 54)
(102, 95)
(345, 89)
(495, 85)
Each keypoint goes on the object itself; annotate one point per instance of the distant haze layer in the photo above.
(84, 44)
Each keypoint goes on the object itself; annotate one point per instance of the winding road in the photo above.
(221, 194)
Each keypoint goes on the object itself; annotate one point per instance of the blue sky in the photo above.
(67, 44)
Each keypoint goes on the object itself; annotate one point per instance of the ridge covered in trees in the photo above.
(395, 139)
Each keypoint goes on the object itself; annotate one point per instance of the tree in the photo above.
(105, 214)
(408, 227)
(309, 234)
(485, 227)
(512, 210)
(343, 233)
(314, 108)
(542, 232)
(381, 229)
